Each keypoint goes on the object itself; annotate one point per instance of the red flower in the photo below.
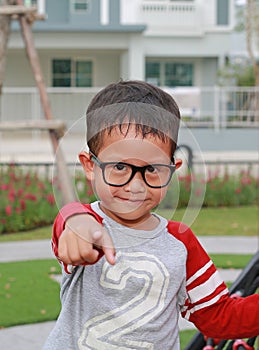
(4, 187)
(28, 182)
(8, 210)
(23, 205)
(41, 185)
(51, 199)
(31, 197)
(246, 180)
(11, 195)
(19, 192)
(238, 190)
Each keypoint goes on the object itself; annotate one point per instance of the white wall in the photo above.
(18, 71)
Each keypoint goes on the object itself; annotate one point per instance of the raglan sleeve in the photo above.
(208, 304)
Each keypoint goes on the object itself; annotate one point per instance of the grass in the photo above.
(186, 336)
(230, 261)
(227, 221)
(39, 233)
(27, 293)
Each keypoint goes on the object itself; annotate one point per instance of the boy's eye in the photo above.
(151, 169)
(120, 167)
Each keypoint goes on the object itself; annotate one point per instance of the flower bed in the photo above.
(27, 199)
(215, 191)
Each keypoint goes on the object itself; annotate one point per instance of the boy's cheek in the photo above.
(101, 189)
(163, 194)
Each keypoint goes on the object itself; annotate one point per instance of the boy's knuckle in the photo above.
(86, 252)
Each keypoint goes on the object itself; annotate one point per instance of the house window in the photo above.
(71, 73)
(222, 12)
(81, 5)
(178, 74)
(83, 73)
(153, 73)
(169, 73)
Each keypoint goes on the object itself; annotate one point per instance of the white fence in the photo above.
(214, 107)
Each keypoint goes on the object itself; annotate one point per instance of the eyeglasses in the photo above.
(119, 173)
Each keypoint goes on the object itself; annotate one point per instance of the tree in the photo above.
(26, 16)
(5, 22)
(252, 35)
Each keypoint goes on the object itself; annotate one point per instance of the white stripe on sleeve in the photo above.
(206, 288)
(199, 272)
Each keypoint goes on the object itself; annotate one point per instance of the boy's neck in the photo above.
(148, 223)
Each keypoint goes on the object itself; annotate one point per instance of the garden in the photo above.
(28, 199)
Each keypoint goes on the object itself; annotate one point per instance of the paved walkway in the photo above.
(32, 337)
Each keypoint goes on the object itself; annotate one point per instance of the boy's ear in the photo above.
(178, 163)
(87, 164)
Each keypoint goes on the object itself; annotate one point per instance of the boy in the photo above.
(133, 271)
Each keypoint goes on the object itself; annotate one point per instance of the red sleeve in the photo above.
(229, 318)
(208, 304)
(70, 209)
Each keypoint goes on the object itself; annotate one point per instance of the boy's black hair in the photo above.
(148, 108)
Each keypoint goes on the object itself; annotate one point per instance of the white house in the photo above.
(89, 43)
(85, 44)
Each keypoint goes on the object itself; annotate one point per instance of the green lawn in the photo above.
(185, 337)
(226, 221)
(39, 233)
(27, 292)
(230, 261)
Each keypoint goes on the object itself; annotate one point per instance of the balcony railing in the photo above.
(181, 18)
(172, 15)
(213, 107)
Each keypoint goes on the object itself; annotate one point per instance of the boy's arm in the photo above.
(229, 318)
(79, 238)
(209, 305)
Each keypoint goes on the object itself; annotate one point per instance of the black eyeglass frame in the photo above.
(134, 169)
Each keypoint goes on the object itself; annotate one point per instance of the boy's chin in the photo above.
(125, 213)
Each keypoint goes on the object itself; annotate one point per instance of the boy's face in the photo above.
(131, 203)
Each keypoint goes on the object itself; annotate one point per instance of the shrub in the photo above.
(218, 191)
(28, 201)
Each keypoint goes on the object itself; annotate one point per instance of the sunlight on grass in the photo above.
(226, 221)
(27, 292)
(230, 261)
(39, 233)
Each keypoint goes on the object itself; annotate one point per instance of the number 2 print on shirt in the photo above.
(110, 330)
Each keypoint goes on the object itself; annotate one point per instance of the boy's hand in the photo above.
(81, 239)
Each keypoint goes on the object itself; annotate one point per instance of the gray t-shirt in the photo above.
(133, 304)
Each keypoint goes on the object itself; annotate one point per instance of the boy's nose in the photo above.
(137, 184)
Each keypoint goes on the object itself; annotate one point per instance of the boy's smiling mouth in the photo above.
(131, 200)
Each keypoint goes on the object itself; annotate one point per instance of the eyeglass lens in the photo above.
(121, 173)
